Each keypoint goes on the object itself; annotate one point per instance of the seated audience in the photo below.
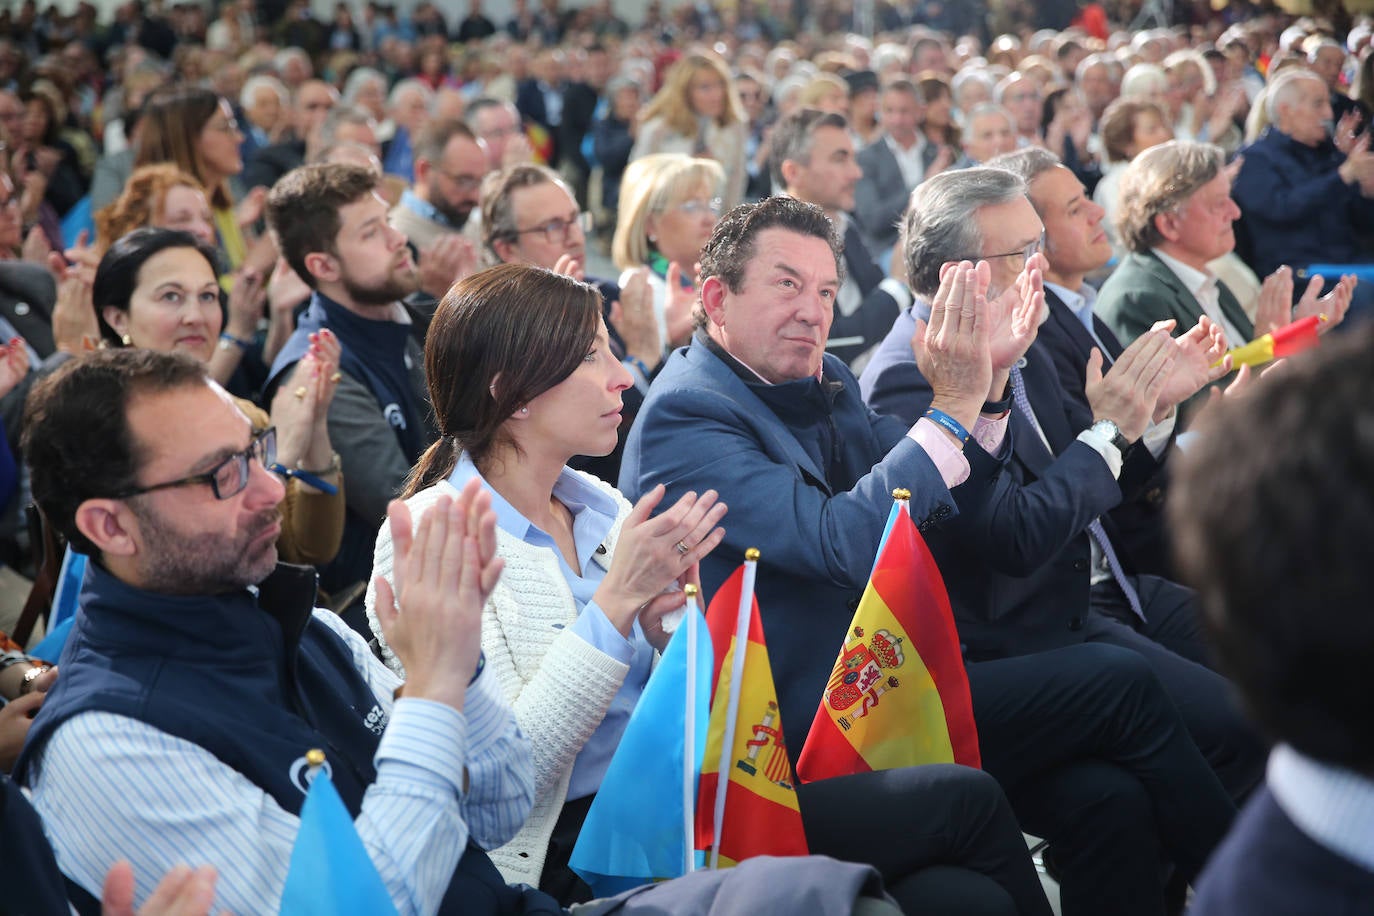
(1086, 745)
(588, 580)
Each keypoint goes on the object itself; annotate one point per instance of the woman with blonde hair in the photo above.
(698, 112)
(669, 204)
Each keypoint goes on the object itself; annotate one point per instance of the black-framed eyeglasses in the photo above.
(1025, 254)
(556, 230)
(228, 478)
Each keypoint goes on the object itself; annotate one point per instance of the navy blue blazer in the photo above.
(1268, 867)
(1295, 209)
(1140, 517)
(703, 427)
(1016, 560)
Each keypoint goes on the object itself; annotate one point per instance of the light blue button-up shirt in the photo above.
(593, 514)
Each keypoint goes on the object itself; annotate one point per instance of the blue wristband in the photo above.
(638, 364)
(481, 665)
(951, 425)
(241, 343)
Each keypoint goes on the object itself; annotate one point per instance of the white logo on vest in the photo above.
(302, 774)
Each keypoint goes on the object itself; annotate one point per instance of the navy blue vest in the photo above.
(374, 353)
(255, 681)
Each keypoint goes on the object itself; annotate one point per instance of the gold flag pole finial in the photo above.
(314, 757)
(751, 555)
(690, 590)
(901, 493)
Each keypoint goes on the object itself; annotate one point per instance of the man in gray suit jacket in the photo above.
(893, 165)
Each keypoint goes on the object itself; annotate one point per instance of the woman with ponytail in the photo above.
(522, 378)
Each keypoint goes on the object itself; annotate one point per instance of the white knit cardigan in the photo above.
(558, 684)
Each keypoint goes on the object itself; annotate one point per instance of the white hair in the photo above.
(406, 86)
(263, 81)
(1283, 90)
(1144, 80)
(357, 79)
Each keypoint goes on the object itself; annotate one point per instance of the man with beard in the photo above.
(200, 741)
(449, 167)
(331, 226)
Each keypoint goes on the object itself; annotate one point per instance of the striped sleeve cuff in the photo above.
(430, 736)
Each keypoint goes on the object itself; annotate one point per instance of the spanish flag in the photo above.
(1286, 341)
(752, 811)
(898, 694)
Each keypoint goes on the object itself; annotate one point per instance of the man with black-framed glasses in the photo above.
(199, 675)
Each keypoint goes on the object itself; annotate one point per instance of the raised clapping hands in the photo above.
(633, 318)
(1128, 393)
(444, 571)
(1199, 359)
(449, 259)
(677, 310)
(1275, 308)
(300, 408)
(1015, 318)
(953, 349)
(654, 554)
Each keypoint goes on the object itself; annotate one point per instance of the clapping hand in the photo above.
(1016, 315)
(14, 364)
(952, 349)
(655, 553)
(677, 311)
(1128, 393)
(1199, 359)
(444, 571)
(182, 892)
(632, 316)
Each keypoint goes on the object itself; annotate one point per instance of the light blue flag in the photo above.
(640, 826)
(330, 872)
(64, 602)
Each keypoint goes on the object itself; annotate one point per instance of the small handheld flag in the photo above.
(1286, 341)
(898, 694)
(748, 800)
(330, 870)
(639, 826)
